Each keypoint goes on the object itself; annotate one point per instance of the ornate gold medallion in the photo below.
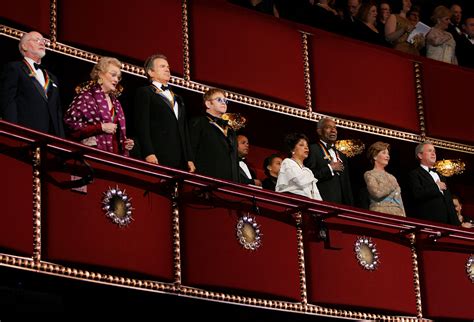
(117, 206)
(248, 232)
(470, 268)
(366, 253)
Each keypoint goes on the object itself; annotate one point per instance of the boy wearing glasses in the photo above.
(29, 94)
(213, 141)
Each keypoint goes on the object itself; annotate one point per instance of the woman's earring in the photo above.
(292, 152)
(100, 81)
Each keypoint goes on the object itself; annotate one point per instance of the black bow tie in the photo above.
(38, 66)
(331, 147)
(432, 169)
(164, 88)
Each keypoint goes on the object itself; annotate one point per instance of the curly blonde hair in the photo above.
(103, 65)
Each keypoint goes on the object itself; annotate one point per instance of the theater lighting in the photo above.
(350, 148)
(449, 168)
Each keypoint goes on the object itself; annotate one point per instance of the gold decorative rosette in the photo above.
(470, 268)
(366, 253)
(117, 206)
(248, 232)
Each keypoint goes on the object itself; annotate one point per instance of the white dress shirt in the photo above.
(38, 72)
(167, 94)
(297, 179)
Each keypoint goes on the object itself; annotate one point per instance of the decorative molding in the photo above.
(255, 102)
(418, 72)
(185, 28)
(36, 204)
(416, 276)
(191, 292)
(301, 261)
(53, 21)
(307, 73)
(176, 234)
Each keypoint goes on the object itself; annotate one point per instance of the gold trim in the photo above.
(185, 28)
(255, 102)
(301, 260)
(172, 289)
(307, 75)
(36, 163)
(176, 235)
(53, 21)
(416, 276)
(418, 71)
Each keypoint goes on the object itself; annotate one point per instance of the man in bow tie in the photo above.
(160, 119)
(213, 140)
(329, 165)
(247, 175)
(428, 190)
(29, 94)
(465, 43)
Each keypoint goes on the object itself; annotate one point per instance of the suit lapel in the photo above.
(35, 82)
(163, 97)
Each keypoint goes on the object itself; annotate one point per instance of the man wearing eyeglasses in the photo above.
(214, 141)
(29, 94)
(160, 119)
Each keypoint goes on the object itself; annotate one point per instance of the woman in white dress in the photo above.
(294, 177)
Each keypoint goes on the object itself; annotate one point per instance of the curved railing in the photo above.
(190, 235)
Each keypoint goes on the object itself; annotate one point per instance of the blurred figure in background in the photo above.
(271, 166)
(440, 44)
(465, 222)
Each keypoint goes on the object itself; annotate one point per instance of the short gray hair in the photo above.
(26, 36)
(322, 121)
(150, 61)
(419, 148)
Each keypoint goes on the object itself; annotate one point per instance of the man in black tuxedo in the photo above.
(214, 141)
(247, 174)
(29, 94)
(329, 165)
(465, 43)
(428, 191)
(160, 119)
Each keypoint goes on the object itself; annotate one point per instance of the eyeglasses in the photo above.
(221, 100)
(41, 41)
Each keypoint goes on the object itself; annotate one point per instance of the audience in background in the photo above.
(465, 43)
(294, 177)
(29, 94)
(271, 166)
(440, 44)
(465, 222)
(246, 174)
(365, 27)
(398, 28)
(384, 12)
(455, 27)
(95, 116)
(384, 191)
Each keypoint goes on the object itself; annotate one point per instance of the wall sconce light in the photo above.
(350, 148)
(449, 167)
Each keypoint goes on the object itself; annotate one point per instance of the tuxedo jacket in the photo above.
(158, 130)
(24, 101)
(428, 201)
(215, 153)
(464, 51)
(334, 188)
(243, 176)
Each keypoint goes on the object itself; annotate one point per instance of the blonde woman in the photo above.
(384, 191)
(95, 116)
